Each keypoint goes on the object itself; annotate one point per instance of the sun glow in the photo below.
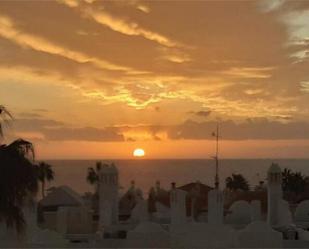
(138, 152)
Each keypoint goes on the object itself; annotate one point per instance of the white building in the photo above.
(274, 194)
(59, 198)
(215, 206)
(259, 234)
(148, 235)
(178, 206)
(108, 196)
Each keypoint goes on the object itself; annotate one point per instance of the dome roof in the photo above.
(274, 168)
(259, 226)
(149, 227)
(241, 204)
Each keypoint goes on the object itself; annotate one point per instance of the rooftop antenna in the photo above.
(216, 157)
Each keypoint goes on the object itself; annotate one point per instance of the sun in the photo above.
(138, 152)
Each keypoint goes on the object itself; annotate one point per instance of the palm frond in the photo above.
(92, 176)
(24, 147)
(5, 119)
(19, 180)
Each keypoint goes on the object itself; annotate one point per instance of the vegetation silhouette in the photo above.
(18, 178)
(237, 182)
(5, 118)
(93, 175)
(294, 184)
(93, 179)
(45, 173)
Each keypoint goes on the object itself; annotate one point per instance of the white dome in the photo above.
(259, 226)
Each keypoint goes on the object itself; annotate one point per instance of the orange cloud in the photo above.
(123, 26)
(250, 72)
(128, 28)
(143, 8)
(9, 31)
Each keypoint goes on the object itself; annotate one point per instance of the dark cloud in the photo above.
(40, 110)
(83, 134)
(29, 115)
(157, 108)
(202, 113)
(129, 139)
(253, 129)
(58, 131)
(35, 124)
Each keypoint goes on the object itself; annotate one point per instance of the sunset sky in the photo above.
(97, 79)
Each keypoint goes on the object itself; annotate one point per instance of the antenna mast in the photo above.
(217, 158)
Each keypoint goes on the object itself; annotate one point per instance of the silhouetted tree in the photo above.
(45, 173)
(293, 182)
(93, 174)
(93, 179)
(18, 177)
(5, 118)
(237, 182)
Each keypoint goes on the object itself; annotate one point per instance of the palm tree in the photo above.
(5, 118)
(18, 177)
(237, 182)
(93, 174)
(293, 182)
(19, 180)
(93, 179)
(286, 176)
(45, 173)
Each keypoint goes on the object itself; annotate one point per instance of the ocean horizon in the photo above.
(145, 172)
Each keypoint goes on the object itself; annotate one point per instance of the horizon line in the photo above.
(197, 158)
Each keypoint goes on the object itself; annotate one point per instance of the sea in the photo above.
(146, 172)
